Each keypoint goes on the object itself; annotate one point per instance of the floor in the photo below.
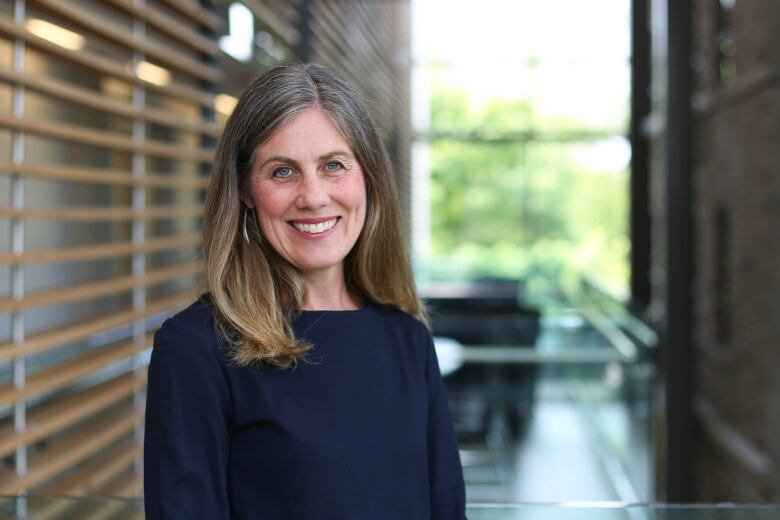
(586, 440)
(556, 460)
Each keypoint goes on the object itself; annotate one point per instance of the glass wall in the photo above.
(521, 200)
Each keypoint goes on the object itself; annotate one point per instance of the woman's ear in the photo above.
(246, 200)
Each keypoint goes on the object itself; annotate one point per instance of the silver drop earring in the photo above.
(246, 235)
(246, 232)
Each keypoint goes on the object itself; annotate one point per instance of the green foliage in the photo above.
(450, 110)
(525, 209)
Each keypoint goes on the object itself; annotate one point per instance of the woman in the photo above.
(304, 384)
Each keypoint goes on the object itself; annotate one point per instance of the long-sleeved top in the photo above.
(359, 429)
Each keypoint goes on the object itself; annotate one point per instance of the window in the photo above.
(725, 43)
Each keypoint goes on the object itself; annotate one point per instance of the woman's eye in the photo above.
(333, 166)
(283, 173)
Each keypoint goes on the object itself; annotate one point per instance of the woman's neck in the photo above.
(329, 291)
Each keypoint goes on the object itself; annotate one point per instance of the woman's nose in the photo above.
(312, 193)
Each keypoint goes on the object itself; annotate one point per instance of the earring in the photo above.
(246, 234)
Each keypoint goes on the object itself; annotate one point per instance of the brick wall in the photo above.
(737, 268)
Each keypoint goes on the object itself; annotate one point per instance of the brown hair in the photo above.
(254, 292)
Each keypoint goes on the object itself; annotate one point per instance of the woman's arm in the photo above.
(186, 442)
(448, 495)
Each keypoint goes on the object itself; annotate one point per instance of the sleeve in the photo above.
(448, 494)
(186, 432)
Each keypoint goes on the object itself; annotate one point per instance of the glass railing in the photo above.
(580, 373)
(621, 511)
(38, 508)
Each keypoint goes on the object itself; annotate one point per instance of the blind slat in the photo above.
(92, 252)
(196, 13)
(71, 449)
(281, 28)
(53, 416)
(104, 139)
(71, 371)
(49, 339)
(125, 485)
(108, 29)
(101, 64)
(327, 21)
(103, 213)
(97, 289)
(92, 99)
(91, 476)
(170, 26)
(103, 176)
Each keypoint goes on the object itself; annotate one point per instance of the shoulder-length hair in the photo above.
(255, 293)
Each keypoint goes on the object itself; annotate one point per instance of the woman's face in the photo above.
(309, 193)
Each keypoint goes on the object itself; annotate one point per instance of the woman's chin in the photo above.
(320, 267)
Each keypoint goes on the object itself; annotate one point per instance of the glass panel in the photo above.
(617, 511)
(546, 393)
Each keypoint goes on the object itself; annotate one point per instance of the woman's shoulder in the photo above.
(198, 315)
(394, 314)
(187, 354)
(411, 327)
(190, 329)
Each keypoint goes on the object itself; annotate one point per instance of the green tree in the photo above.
(514, 205)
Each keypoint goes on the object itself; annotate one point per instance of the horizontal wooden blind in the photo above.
(106, 136)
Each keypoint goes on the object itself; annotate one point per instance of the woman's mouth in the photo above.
(315, 228)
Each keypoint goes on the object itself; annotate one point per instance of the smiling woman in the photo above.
(275, 147)
(304, 384)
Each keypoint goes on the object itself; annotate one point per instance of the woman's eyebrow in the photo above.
(282, 158)
(278, 158)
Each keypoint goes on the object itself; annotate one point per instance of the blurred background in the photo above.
(591, 192)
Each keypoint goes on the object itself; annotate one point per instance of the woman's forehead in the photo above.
(309, 135)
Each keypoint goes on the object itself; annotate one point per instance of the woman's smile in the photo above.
(314, 227)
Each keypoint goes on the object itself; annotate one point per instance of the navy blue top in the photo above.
(360, 430)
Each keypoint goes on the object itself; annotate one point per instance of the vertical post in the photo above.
(17, 244)
(677, 344)
(138, 235)
(304, 30)
(640, 171)
(420, 148)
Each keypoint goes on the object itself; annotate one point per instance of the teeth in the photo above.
(315, 228)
